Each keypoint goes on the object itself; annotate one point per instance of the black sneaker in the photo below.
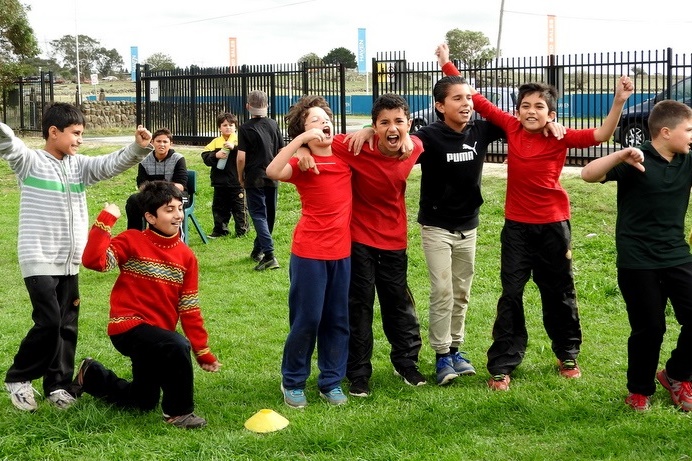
(411, 376)
(359, 387)
(267, 263)
(256, 255)
(215, 235)
(77, 386)
(188, 421)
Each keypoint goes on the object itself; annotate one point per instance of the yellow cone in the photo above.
(266, 421)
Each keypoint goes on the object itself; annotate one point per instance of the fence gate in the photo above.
(24, 100)
(187, 101)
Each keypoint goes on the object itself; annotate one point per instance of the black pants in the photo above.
(385, 271)
(646, 293)
(543, 250)
(160, 363)
(48, 350)
(229, 201)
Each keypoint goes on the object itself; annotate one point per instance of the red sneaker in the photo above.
(680, 391)
(499, 382)
(638, 402)
(569, 368)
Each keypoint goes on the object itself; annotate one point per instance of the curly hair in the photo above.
(298, 113)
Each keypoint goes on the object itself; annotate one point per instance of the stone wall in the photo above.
(109, 114)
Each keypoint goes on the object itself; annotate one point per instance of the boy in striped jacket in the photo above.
(52, 184)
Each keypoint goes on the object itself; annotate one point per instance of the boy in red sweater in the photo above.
(142, 326)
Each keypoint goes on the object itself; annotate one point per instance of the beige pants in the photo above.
(450, 257)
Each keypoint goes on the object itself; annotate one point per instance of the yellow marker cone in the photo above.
(266, 421)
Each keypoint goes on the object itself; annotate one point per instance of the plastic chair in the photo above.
(190, 210)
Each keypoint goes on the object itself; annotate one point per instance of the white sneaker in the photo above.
(22, 395)
(61, 399)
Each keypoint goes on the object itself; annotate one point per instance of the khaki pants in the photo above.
(450, 257)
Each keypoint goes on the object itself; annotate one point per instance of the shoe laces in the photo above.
(569, 364)
(336, 391)
(638, 400)
(499, 377)
(295, 392)
(24, 390)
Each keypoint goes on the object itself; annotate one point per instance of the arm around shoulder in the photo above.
(596, 170)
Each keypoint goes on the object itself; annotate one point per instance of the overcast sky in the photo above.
(274, 31)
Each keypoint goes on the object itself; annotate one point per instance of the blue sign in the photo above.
(361, 51)
(134, 59)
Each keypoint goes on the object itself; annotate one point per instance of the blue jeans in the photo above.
(261, 204)
(318, 313)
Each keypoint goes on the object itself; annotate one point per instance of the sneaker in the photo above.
(569, 369)
(256, 255)
(188, 421)
(335, 397)
(462, 365)
(22, 395)
(215, 235)
(294, 398)
(411, 376)
(499, 382)
(445, 371)
(680, 391)
(78, 382)
(359, 387)
(267, 263)
(61, 399)
(638, 402)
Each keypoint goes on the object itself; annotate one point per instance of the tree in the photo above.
(93, 58)
(17, 40)
(311, 58)
(341, 56)
(160, 61)
(468, 46)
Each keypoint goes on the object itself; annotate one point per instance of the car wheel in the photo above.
(417, 124)
(634, 134)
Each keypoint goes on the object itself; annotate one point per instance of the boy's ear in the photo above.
(150, 218)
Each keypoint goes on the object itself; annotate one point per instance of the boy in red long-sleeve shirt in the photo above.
(156, 288)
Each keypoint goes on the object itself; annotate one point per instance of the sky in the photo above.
(197, 32)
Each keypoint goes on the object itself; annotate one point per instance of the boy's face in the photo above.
(457, 106)
(65, 142)
(168, 218)
(227, 128)
(533, 113)
(391, 126)
(161, 145)
(680, 137)
(317, 118)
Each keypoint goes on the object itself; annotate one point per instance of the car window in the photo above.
(682, 91)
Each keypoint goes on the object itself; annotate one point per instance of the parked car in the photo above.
(633, 126)
(504, 98)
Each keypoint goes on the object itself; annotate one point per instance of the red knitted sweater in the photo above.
(157, 284)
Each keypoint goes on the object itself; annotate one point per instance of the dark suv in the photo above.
(633, 127)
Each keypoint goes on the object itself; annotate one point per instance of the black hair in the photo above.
(547, 92)
(61, 115)
(389, 101)
(441, 90)
(155, 194)
(163, 131)
(226, 116)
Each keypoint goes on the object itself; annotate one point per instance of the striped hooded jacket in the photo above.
(53, 216)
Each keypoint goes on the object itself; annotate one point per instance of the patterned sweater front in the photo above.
(157, 284)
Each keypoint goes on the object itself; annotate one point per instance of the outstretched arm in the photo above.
(595, 171)
(624, 89)
(279, 168)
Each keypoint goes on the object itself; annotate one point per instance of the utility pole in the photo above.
(499, 30)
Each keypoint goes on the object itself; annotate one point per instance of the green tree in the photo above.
(312, 58)
(468, 46)
(341, 56)
(17, 40)
(93, 58)
(160, 61)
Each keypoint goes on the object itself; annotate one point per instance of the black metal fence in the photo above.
(187, 101)
(23, 102)
(586, 84)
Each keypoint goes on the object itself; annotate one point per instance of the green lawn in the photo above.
(542, 417)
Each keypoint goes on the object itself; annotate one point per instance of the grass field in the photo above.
(542, 417)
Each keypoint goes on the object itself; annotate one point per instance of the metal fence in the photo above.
(187, 101)
(586, 84)
(24, 100)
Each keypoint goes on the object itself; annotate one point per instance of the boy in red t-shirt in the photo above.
(320, 263)
(143, 327)
(536, 237)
